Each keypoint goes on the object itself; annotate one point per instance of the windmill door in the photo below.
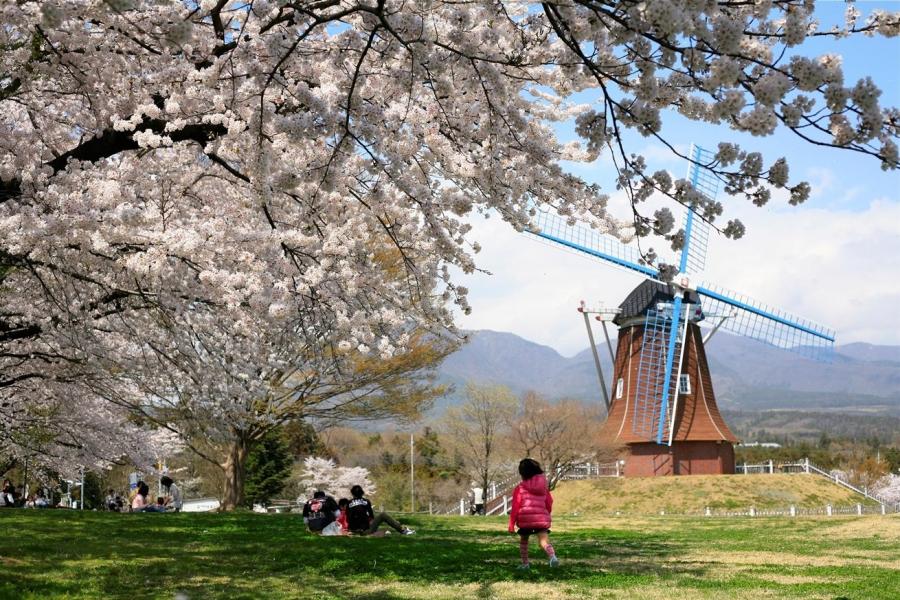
(662, 464)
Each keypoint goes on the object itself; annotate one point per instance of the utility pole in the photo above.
(412, 476)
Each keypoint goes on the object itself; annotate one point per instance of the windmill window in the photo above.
(684, 384)
(619, 385)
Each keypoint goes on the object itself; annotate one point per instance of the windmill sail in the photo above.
(584, 240)
(696, 230)
(659, 370)
(769, 325)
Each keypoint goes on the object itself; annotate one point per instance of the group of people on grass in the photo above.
(354, 515)
(170, 502)
(532, 505)
(14, 497)
(137, 501)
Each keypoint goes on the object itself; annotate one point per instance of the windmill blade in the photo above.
(650, 379)
(696, 242)
(696, 230)
(659, 368)
(773, 326)
(675, 380)
(554, 228)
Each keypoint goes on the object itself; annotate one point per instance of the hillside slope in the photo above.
(683, 495)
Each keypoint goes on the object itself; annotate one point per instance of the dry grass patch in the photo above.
(785, 559)
(415, 592)
(682, 592)
(796, 579)
(691, 495)
(884, 528)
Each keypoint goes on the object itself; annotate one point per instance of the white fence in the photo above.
(794, 511)
(498, 496)
(595, 470)
(805, 466)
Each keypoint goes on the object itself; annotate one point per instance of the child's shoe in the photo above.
(524, 567)
(554, 562)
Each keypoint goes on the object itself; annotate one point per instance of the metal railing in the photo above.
(498, 496)
(593, 471)
(805, 466)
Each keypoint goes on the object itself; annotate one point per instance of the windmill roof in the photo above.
(646, 296)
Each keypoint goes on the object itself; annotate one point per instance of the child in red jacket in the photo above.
(531, 507)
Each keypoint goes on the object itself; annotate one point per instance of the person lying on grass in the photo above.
(362, 520)
(531, 507)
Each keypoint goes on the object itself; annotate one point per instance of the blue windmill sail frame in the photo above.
(659, 368)
(650, 375)
(769, 325)
(696, 230)
(670, 359)
(554, 228)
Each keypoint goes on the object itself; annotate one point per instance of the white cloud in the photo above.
(840, 268)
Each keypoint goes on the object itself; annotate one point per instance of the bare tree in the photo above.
(479, 426)
(558, 435)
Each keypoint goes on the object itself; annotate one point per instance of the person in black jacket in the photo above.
(320, 511)
(362, 520)
(9, 496)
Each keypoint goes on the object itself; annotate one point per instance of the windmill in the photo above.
(661, 406)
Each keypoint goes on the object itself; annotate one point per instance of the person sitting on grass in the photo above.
(8, 494)
(174, 501)
(362, 520)
(110, 501)
(343, 504)
(139, 503)
(320, 511)
(531, 508)
(41, 501)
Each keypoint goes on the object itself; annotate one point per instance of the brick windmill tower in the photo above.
(661, 408)
(696, 439)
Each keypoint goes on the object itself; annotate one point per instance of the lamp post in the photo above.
(412, 475)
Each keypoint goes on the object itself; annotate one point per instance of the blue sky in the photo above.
(835, 259)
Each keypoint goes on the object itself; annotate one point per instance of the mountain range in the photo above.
(747, 375)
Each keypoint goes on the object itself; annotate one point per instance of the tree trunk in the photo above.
(234, 474)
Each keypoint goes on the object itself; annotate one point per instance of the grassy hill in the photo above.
(691, 495)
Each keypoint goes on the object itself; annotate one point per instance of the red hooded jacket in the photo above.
(531, 505)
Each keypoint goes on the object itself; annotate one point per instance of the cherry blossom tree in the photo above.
(888, 489)
(198, 197)
(324, 474)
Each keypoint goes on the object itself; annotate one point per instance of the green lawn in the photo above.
(68, 554)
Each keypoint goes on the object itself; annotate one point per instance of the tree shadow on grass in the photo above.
(251, 556)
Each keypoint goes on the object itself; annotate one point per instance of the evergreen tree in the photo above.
(268, 467)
